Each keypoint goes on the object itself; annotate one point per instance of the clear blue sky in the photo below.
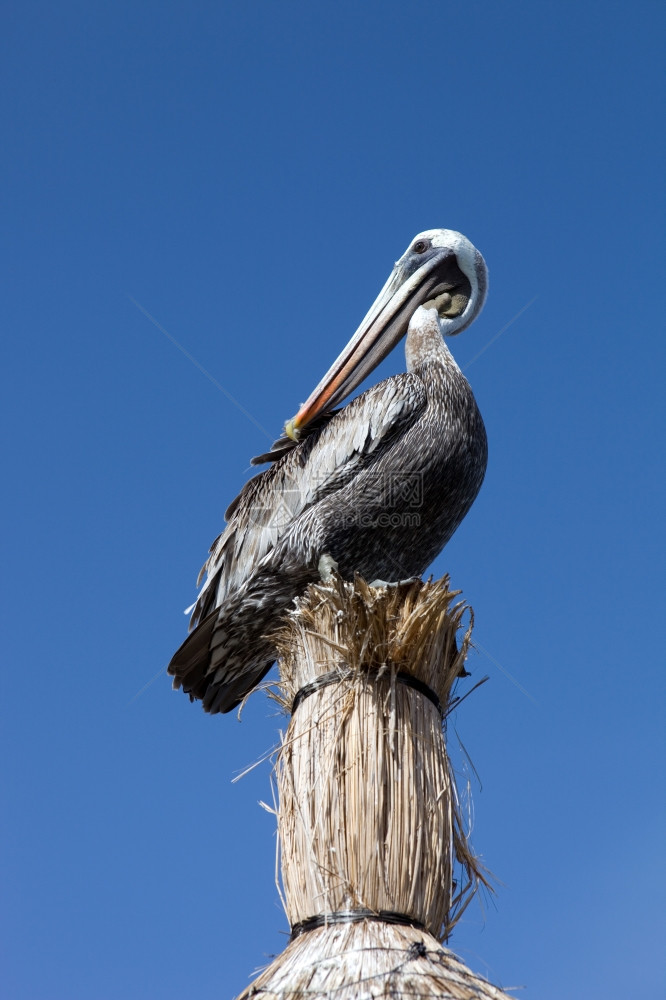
(248, 173)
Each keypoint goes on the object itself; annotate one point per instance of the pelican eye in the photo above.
(420, 246)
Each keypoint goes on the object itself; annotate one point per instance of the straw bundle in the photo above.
(376, 868)
(369, 961)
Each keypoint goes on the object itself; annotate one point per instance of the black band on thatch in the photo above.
(354, 917)
(334, 676)
(414, 682)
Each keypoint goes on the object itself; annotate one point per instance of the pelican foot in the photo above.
(395, 583)
(327, 567)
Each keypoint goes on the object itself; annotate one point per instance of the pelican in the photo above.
(377, 487)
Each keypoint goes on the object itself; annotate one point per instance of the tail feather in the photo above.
(230, 651)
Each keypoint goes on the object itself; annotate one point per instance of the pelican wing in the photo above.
(270, 504)
(284, 444)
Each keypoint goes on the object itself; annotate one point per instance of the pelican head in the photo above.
(440, 268)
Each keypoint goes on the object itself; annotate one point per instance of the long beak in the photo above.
(385, 324)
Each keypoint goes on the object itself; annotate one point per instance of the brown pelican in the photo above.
(377, 487)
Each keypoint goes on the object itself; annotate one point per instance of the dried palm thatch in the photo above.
(376, 866)
(368, 961)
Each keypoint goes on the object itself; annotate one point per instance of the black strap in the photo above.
(322, 681)
(418, 685)
(354, 917)
(335, 676)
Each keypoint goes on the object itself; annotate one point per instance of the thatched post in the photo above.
(376, 868)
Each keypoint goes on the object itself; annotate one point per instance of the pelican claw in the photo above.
(395, 583)
(327, 567)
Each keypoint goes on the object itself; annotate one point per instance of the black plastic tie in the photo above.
(354, 917)
(335, 676)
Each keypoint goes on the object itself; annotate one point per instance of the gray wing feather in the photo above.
(269, 504)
